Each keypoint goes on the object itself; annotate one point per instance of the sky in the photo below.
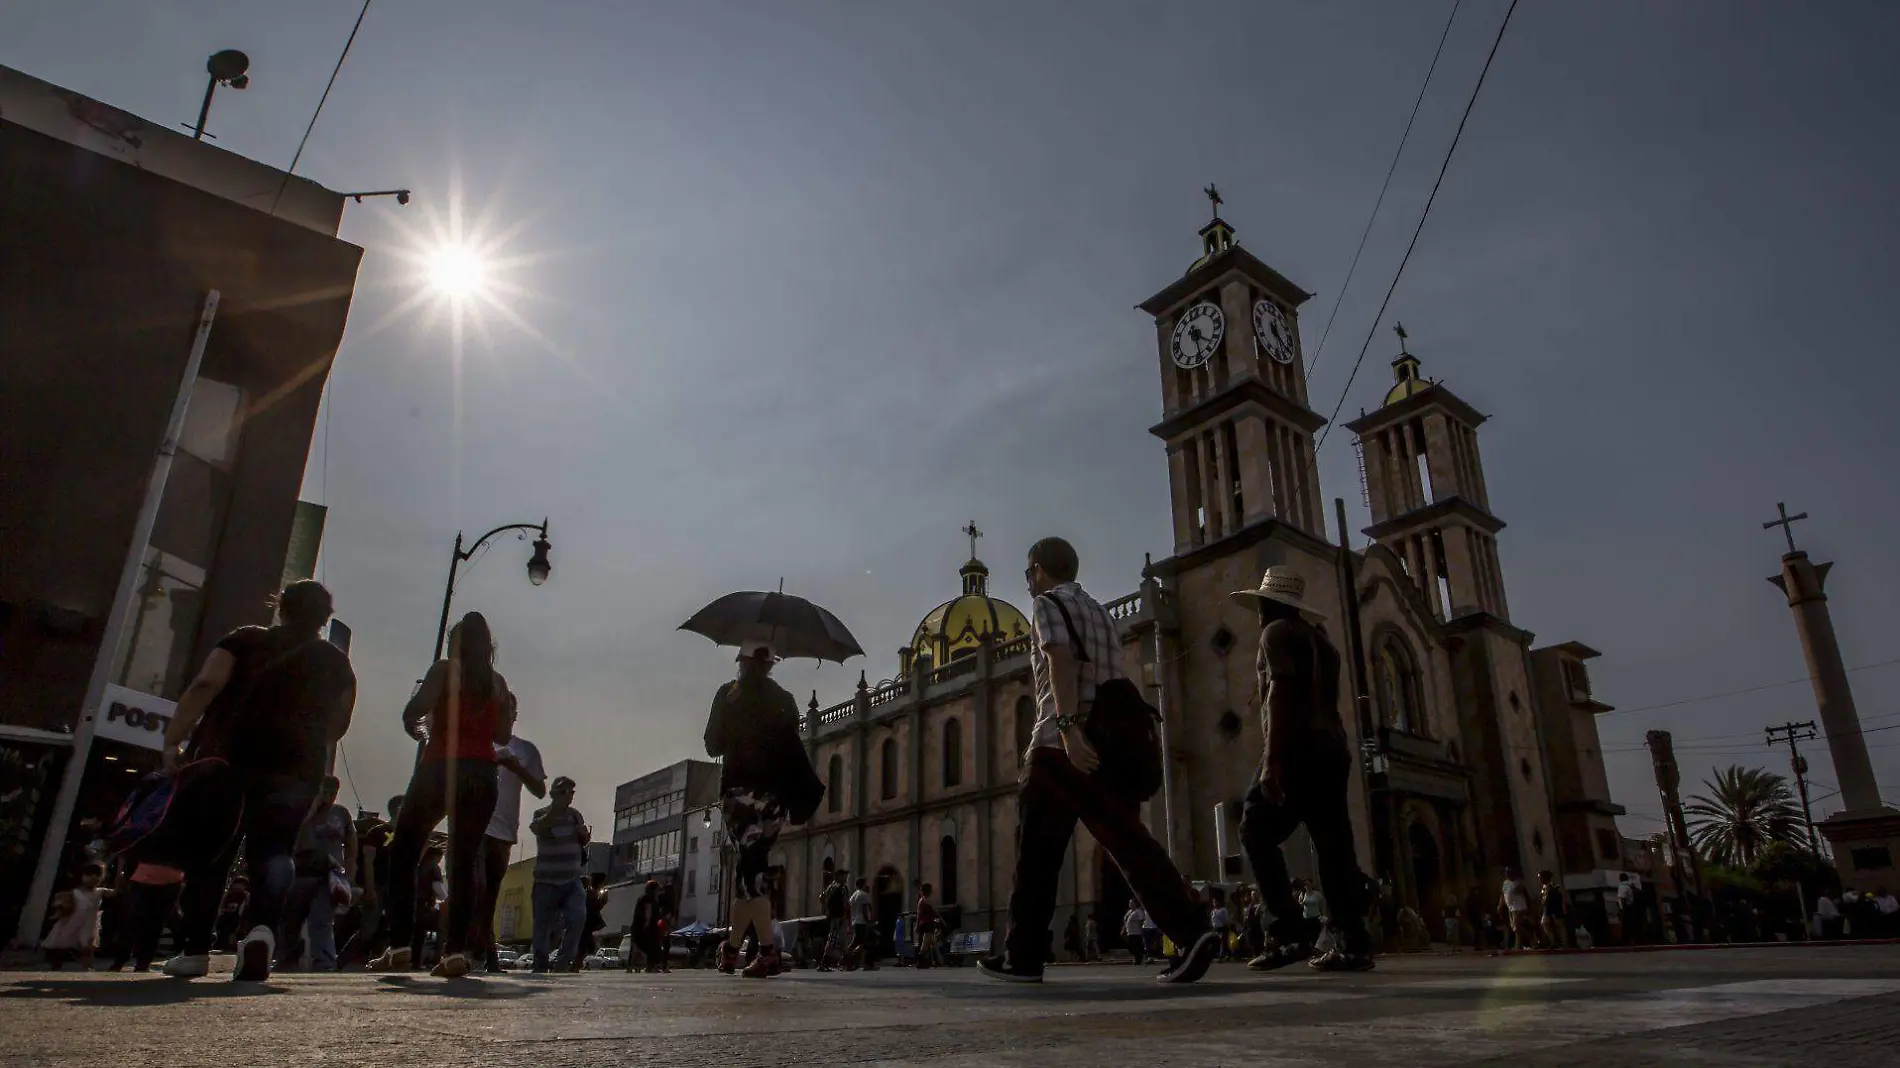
(792, 291)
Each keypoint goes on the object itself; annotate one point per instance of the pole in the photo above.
(1167, 753)
(448, 596)
(1793, 733)
(53, 848)
(1369, 746)
(204, 109)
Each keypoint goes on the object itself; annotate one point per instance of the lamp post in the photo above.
(538, 569)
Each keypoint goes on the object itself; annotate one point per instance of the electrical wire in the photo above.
(1353, 267)
(1456, 137)
(1737, 693)
(320, 102)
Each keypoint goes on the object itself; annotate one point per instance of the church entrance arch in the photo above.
(888, 893)
(1425, 863)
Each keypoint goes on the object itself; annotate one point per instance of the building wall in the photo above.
(106, 270)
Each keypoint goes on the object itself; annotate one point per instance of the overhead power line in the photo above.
(1456, 136)
(320, 102)
(1737, 693)
(1383, 187)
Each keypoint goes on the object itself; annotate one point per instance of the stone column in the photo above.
(1802, 581)
(1179, 483)
(1373, 456)
(1256, 480)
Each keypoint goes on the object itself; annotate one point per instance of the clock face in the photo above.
(1197, 335)
(1271, 332)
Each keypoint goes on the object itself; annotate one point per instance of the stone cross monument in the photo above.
(1866, 833)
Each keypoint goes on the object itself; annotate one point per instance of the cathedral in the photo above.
(1480, 751)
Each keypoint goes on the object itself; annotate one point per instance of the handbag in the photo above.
(1122, 726)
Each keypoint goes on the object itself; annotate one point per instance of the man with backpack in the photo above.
(1085, 706)
(1304, 775)
(269, 706)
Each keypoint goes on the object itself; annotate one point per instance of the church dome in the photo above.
(1406, 379)
(955, 628)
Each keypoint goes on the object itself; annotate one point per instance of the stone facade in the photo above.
(1476, 757)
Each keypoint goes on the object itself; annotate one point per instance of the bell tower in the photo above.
(1233, 385)
(1425, 485)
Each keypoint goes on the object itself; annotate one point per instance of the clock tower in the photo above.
(1245, 496)
(1233, 389)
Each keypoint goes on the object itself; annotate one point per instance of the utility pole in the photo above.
(1793, 733)
(1662, 754)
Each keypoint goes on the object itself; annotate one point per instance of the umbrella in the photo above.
(793, 626)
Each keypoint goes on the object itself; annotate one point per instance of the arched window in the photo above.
(947, 871)
(1399, 688)
(952, 752)
(889, 768)
(1025, 727)
(834, 784)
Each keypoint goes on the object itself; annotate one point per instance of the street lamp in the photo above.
(538, 569)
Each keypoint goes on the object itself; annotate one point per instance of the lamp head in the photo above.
(538, 566)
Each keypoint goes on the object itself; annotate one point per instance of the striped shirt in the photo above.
(559, 854)
(1098, 636)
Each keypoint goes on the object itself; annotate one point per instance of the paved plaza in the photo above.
(1829, 1008)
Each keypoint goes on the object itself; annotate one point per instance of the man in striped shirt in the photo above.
(560, 841)
(1076, 649)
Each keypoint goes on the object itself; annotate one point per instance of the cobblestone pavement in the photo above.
(1830, 1007)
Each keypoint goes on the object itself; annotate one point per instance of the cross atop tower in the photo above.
(1786, 523)
(1213, 198)
(1399, 329)
(972, 533)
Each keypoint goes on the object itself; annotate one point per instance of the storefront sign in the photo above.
(134, 718)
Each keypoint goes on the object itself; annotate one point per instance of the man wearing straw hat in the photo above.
(1304, 774)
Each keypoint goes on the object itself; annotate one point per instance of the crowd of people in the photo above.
(253, 854)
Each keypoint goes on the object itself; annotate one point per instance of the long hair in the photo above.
(472, 657)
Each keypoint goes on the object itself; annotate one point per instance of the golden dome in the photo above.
(955, 628)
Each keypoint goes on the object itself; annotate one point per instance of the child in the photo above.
(75, 934)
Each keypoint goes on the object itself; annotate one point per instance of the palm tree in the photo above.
(1747, 808)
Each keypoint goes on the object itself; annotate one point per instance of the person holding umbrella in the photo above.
(767, 779)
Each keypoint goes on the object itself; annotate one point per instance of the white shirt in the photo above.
(1312, 905)
(1132, 923)
(1887, 904)
(506, 822)
(860, 907)
(1625, 893)
(1824, 906)
(1218, 919)
(1514, 898)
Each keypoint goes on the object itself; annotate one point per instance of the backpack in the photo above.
(147, 808)
(1123, 727)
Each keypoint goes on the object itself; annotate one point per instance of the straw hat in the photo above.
(1285, 585)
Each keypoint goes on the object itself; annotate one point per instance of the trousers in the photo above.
(1315, 796)
(1054, 794)
(472, 783)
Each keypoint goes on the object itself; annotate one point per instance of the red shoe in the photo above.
(764, 965)
(728, 959)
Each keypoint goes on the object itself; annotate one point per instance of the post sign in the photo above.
(134, 718)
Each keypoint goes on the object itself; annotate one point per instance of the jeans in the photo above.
(568, 901)
(1053, 796)
(495, 856)
(1315, 795)
(308, 906)
(261, 811)
(472, 785)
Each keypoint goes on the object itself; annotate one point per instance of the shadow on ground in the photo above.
(143, 992)
(467, 987)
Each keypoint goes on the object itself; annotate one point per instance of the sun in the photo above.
(456, 271)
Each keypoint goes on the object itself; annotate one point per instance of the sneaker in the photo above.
(1195, 962)
(188, 966)
(452, 966)
(1278, 955)
(1337, 960)
(996, 967)
(392, 960)
(254, 956)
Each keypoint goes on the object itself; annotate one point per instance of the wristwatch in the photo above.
(1063, 723)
